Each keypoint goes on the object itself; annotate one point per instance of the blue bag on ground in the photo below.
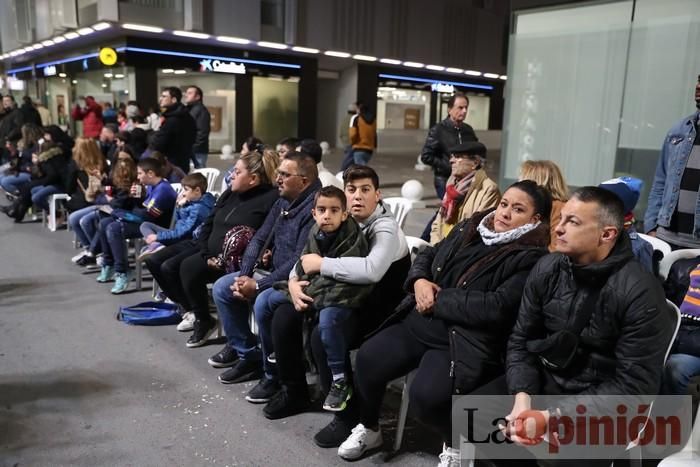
(149, 314)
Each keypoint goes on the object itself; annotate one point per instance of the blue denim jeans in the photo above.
(361, 157)
(199, 159)
(234, 314)
(264, 309)
(148, 228)
(74, 220)
(90, 224)
(41, 193)
(348, 158)
(113, 235)
(680, 369)
(331, 321)
(13, 183)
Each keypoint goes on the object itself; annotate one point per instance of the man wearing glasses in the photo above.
(277, 244)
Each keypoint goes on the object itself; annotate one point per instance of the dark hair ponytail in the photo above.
(541, 198)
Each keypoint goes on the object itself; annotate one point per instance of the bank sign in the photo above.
(218, 66)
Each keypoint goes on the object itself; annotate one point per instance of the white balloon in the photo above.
(413, 190)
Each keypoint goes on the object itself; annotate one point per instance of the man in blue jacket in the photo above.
(673, 199)
(277, 245)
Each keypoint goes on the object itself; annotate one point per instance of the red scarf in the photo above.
(454, 195)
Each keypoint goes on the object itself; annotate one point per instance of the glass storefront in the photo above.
(275, 108)
(595, 87)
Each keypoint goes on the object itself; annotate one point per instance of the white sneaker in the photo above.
(75, 258)
(100, 260)
(449, 457)
(361, 440)
(187, 323)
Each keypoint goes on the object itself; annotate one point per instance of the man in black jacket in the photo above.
(593, 292)
(11, 122)
(200, 114)
(176, 136)
(447, 134)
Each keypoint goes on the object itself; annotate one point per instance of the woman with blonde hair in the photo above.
(183, 269)
(548, 175)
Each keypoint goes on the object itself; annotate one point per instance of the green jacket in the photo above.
(326, 291)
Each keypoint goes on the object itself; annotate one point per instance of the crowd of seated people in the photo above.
(329, 266)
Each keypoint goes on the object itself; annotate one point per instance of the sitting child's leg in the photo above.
(149, 228)
(330, 326)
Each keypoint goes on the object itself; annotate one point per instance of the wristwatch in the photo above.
(257, 286)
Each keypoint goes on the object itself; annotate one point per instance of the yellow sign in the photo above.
(108, 56)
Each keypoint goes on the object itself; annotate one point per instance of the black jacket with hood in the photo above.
(441, 138)
(202, 120)
(176, 136)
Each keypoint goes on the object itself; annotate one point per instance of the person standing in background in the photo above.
(345, 137)
(363, 135)
(91, 115)
(200, 150)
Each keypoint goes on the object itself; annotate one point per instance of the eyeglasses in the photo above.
(286, 175)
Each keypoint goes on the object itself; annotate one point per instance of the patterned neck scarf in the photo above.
(491, 237)
(455, 191)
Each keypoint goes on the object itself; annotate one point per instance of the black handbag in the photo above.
(559, 350)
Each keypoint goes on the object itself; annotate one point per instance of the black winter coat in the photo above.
(622, 349)
(441, 138)
(480, 313)
(202, 119)
(11, 126)
(176, 136)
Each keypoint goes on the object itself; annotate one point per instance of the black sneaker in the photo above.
(202, 330)
(263, 391)
(287, 403)
(333, 434)
(243, 370)
(86, 260)
(225, 358)
(338, 396)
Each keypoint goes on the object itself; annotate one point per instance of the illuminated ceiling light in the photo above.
(193, 35)
(126, 91)
(305, 50)
(491, 75)
(37, 46)
(71, 35)
(168, 70)
(104, 85)
(62, 75)
(272, 45)
(472, 73)
(413, 64)
(48, 43)
(503, 77)
(454, 70)
(365, 58)
(108, 75)
(27, 49)
(141, 27)
(180, 72)
(334, 53)
(101, 26)
(59, 39)
(119, 76)
(75, 81)
(435, 67)
(390, 61)
(13, 53)
(232, 40)
(85, 31)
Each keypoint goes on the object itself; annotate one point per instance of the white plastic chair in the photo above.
(53, 209)
(669, 259)
(657, 244)
(399, 207)
(211, 174)
(415, 244)
(689, 456)
(177, 187)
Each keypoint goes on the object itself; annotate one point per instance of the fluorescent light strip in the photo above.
(180, 72)
(142, 27)
(335, 53)
(19, 70)
(119, 76)
(205, 57)
(232, 40)
(390, 61)
(435, 67)
(71, 35)
(85, 31)
(101, 26)
(59, 39)
(62, 75)
(426, 80)
(47, 43)
(472, 73)
(413, 64)
(193, 35)
(273, 45)
(75, 59)
(305, 50)
(37, 46)
(503, 77)
(454, 70)
(167, 70)
(491, 75)
(365, 58)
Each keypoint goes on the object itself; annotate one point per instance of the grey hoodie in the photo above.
(387, 244)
